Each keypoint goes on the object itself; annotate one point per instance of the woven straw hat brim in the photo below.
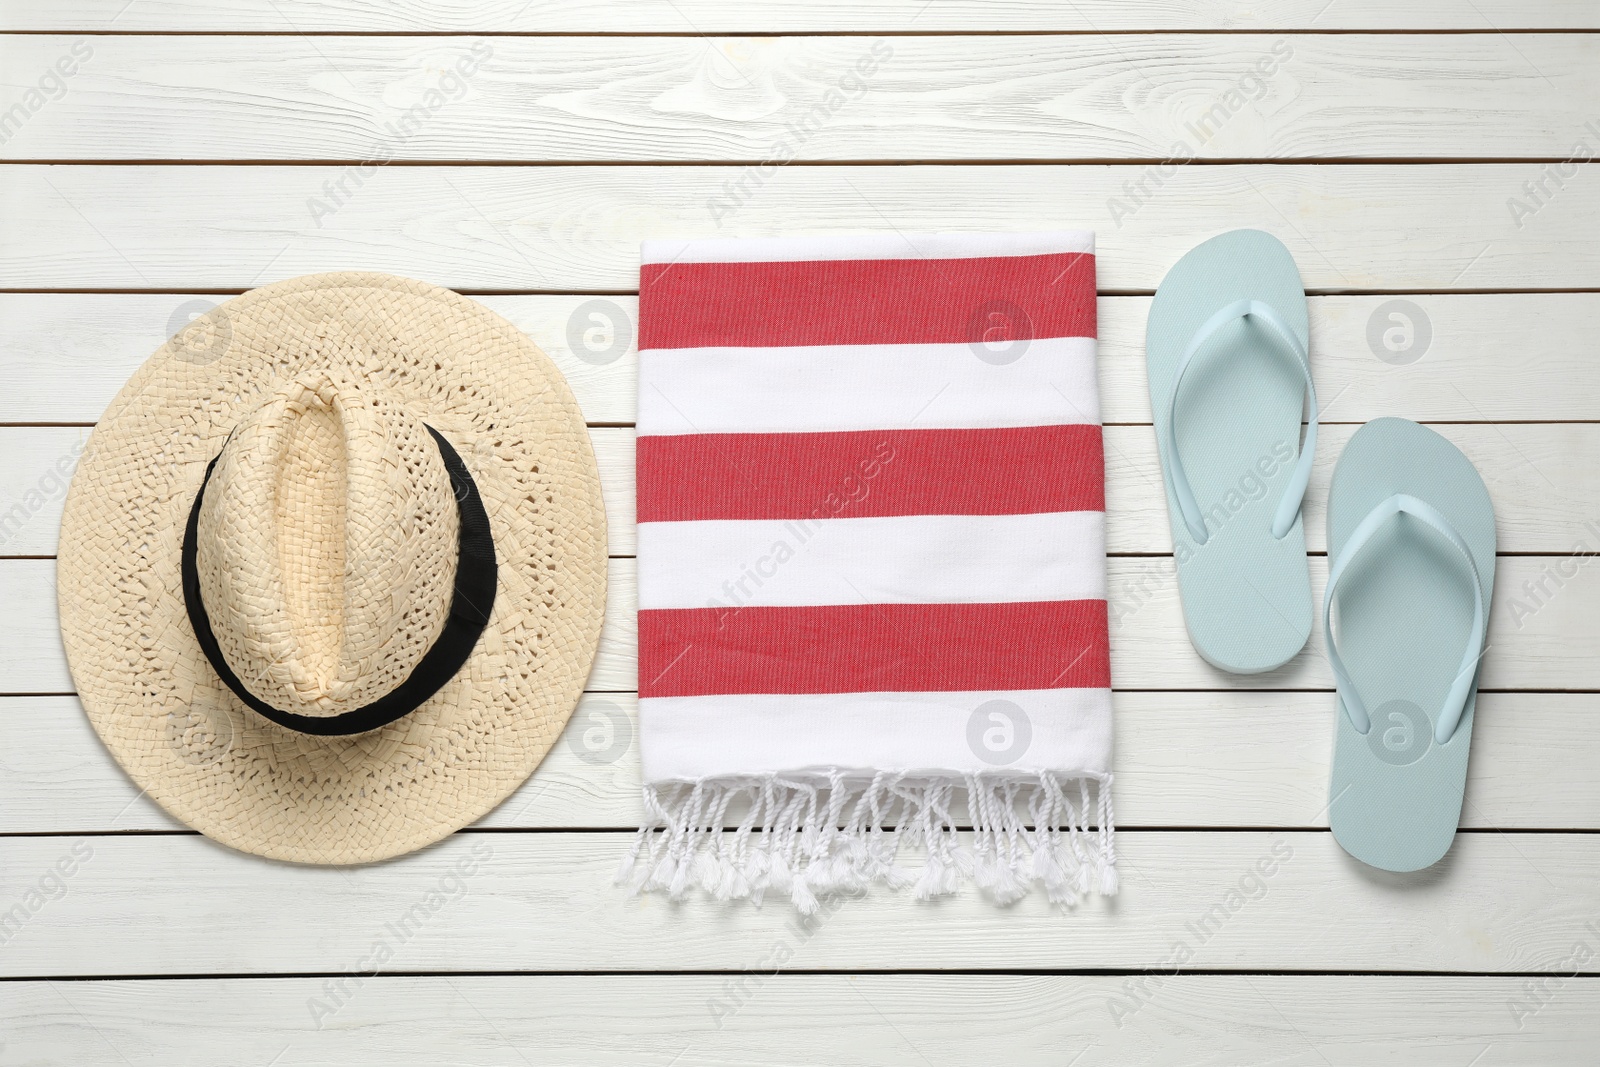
(155, 700)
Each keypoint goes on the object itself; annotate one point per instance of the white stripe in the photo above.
(865, 387)
(865, 246)
(1024, 731)
(898, 559)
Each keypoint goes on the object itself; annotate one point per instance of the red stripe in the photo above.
(866, 301)
(1013, 471)
(874, 648)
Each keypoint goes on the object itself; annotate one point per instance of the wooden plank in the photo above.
(1456, 369)
(181, 904)
(1265, 764)
(1089, 97)
(1342, 1020)
(1536, 640)
(34, 662)
(1350, 227)
(97, 340)
(41, 458)
(1543, 629)
(783, 16)
(1544, 478)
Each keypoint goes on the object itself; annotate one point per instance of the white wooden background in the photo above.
(1388, 149)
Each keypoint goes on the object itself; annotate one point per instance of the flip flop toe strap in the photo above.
(1289, 503)
(1456, 700)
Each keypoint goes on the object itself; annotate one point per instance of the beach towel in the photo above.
(872, 586)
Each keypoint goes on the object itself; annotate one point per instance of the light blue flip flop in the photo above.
(1226, 352)
(1411, 540)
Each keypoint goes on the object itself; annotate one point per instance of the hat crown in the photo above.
(326, 546)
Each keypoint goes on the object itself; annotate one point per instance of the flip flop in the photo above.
(1226, 351)
(1411, 540)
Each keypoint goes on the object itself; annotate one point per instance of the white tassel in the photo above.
(815, 835)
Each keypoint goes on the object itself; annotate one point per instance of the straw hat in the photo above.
(332, 567)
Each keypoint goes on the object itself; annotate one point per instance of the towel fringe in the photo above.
(814, 834)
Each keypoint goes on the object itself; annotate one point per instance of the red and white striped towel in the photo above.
(872, 566)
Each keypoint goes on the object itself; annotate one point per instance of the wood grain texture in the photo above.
(785, 16)
(1266, 764)
(1542, 478)
(182, 905)
(1498, 357)
(1219, 778)
(1350, 227)
(1537, 640)
(771, 1019)
(1092, 97)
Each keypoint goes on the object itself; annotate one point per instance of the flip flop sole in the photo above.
(1404, 617)
(1246, 594)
